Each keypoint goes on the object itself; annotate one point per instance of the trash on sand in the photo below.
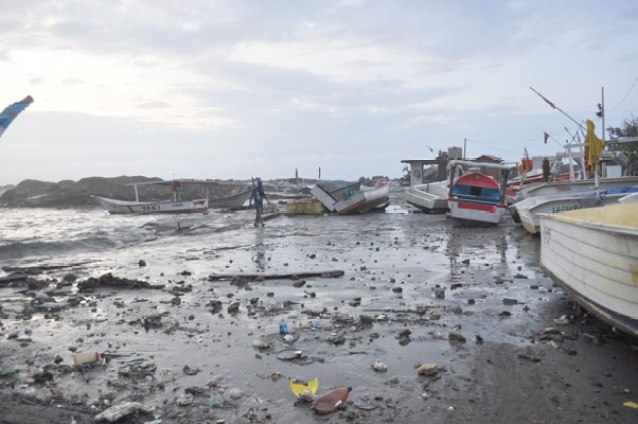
(428, 369)
(563, 320)
(305, 392)
(379, 366)
(631, 404)
(366, 401)
(109, 280)
(86, 358)
(122, 410)
(261, 342)
(9, 372)
(234, 394)
(190, 371)
(283, 328)
(185, 399)
(215, 401)
(137, 368)
(289, 354)
(331, 400)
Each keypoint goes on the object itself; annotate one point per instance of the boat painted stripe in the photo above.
(477, 206)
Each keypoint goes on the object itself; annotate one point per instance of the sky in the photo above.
(227, 89)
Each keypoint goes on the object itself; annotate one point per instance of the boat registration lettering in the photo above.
(150, 208)
(564, 208)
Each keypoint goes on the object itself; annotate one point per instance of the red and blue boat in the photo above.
(475, 197)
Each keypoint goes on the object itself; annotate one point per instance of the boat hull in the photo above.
(235, 201)
(593, 255)
(348, 199)
(529, 209)
(578, 186)
(475, 213)
(430, 197)
(115, 206)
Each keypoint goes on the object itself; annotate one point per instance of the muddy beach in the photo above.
(366, 301)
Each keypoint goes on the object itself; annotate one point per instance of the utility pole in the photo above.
(602, 95)
(464, 148)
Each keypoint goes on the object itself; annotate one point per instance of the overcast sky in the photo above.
(240, 88)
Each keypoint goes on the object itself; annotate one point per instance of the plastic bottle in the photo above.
(331, 400)
(85, 358)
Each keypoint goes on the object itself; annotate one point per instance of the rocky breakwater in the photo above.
(72, 194)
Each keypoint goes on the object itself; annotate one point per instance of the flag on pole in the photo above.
(546, 137)
(12, 111)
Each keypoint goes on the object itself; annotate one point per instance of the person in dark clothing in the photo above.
(258, 195)
(545, 170)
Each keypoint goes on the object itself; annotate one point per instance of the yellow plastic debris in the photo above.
(298, 389)
(631, 404)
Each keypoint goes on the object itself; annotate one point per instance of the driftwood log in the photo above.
(259, 276)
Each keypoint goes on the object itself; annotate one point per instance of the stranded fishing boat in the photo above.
(529, 209)
(115, 206)
(353, 198)
(176, 204)
(593, 255)
(475, 197)
(430, 197)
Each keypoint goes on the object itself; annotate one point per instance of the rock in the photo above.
(299, 283)
(455, 336)
(185, 399)
(428, 369)
(142, 262)
(234, 393)
(42, 297)
(122, 410)
(233, 308)
(42, 377)
(439, 293)
(379, 366)
(261, 342)
(215, 305)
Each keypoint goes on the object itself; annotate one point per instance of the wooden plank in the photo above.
(277, 276)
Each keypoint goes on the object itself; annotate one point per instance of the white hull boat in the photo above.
(529, 209)
(593, 255)
(577, 186)
(431, 197)
(235, 201)
(350, 199)
(115, 206)
(476, 198)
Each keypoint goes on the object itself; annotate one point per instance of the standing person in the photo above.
(546, 170)
(258, 196)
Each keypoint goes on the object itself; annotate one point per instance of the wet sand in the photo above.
(416, 289)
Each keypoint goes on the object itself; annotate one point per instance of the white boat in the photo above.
(529, 209)
(474, 197)
(593, 254)
(236, 201)
(576, 186)
(430, 197)
(176, 205)
(353, 198)
(115, 206)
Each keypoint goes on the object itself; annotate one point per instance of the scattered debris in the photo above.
(379, 366)
(122, 410)
(331, 400)
(428, 369)
(274, 276)
(108, 280)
